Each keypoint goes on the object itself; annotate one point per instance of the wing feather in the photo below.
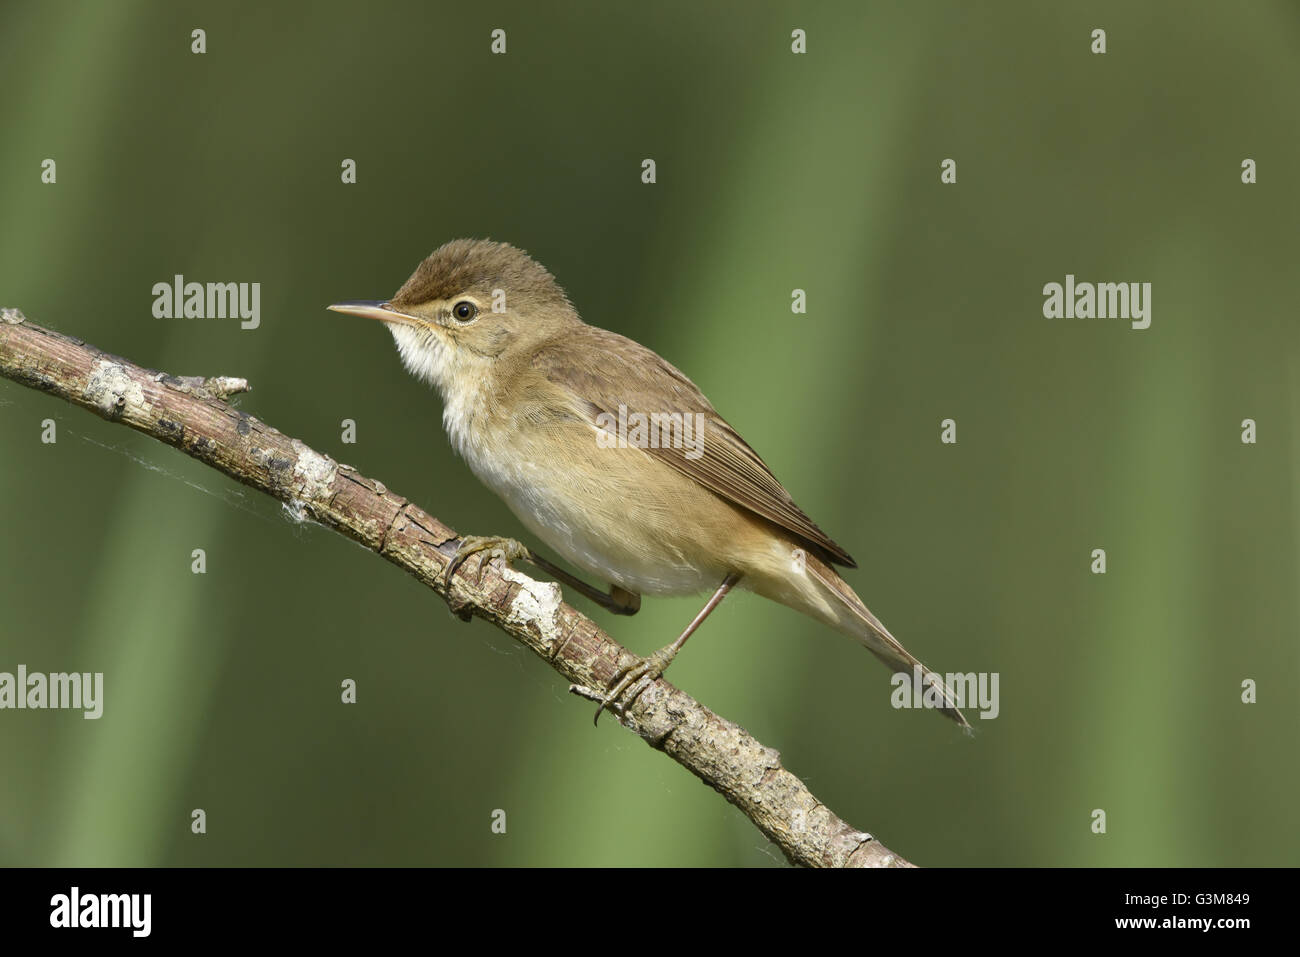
(608, 371)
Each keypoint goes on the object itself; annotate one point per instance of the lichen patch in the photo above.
(314, 471)
(536, 603)
(112, 391)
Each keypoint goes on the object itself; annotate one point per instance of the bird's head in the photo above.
(470, 304)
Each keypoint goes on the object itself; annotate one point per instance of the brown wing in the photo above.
(608, 370)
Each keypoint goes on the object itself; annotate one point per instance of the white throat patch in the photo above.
(422, 353)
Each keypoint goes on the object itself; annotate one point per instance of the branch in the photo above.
(192, 414)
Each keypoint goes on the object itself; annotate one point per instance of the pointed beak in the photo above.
(373, 309)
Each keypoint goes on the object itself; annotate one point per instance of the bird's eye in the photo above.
(464, 311)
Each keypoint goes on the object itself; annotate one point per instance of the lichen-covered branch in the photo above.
(192, 414)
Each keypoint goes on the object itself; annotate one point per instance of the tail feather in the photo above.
(852, 617)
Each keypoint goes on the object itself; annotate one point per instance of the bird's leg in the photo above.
(645, 670)
(618, 600)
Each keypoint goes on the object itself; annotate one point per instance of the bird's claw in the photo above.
(507, 549)
(638, 676)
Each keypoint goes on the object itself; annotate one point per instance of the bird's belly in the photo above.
(609, 522)
(639, 570)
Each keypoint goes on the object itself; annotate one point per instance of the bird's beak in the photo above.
(374, 309)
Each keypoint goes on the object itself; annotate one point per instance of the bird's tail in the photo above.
(817, 590)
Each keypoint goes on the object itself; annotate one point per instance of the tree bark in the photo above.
(192, 414)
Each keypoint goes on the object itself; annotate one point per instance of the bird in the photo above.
(611, 457)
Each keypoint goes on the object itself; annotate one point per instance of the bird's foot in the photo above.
(507, 549)
(634, 679)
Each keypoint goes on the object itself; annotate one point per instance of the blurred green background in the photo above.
(775, 171)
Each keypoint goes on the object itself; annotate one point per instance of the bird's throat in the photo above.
(423, 353)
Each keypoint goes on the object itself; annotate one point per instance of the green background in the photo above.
(775, 171)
